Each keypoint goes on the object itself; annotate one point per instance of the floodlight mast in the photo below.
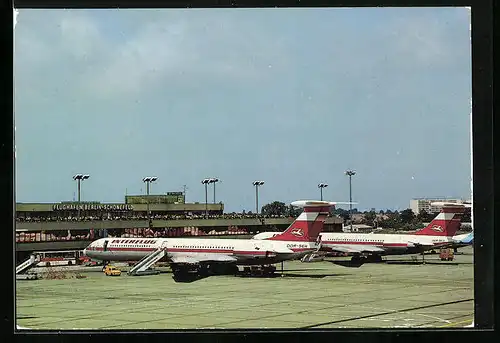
(321, 186)
(205, 182)
(257, 184)
(147, 180)
(79, 178)
(350, 173)
(213, 180)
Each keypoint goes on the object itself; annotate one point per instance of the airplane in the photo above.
(464, 240)
(192, 258)
(372, 246)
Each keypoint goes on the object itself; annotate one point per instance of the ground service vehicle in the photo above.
(112, 271)
(446, 254)
(59, 258)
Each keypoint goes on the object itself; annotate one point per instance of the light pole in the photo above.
(184, 188)
(206, 182)
(79, 178)
(321, 186)
(213, 180)
(148, 180)
(350, 173)
(257, 184)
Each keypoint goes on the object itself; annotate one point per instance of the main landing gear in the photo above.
(192, 272)
(186, 272)
(220, 269)
(263, 271)
(365, 259)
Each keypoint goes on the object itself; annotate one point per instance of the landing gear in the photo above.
(186, 273)
(374, 258)
(192, 272)
(233, 269)
(357, 259)
(264, 271)
(222, 269)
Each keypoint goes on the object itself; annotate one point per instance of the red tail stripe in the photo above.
(443, 227)
(317, 209)
(303, 230)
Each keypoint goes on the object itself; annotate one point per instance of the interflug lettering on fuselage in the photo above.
(132, 241)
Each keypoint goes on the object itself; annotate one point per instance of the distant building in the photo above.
(424, 204)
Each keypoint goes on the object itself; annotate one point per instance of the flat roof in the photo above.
(94, 206)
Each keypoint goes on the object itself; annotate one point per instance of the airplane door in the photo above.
(105, 245)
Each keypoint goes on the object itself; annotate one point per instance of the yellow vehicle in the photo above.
(446, 254)
(112, 271)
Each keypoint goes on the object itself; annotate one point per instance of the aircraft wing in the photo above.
(203, 258)
(420, 244)
(282, 250)
(346, 248)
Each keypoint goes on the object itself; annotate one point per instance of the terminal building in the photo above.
(135, 206)
(424, 204)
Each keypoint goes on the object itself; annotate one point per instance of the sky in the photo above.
(293, 97)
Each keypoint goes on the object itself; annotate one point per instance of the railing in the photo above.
(27, 264)
(159, 223)
(37, 236)
(146, 262)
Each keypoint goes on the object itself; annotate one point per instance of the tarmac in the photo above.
(322, 295)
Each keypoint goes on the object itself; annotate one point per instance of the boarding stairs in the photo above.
(313, 256)
(30, 262)
(141, 267)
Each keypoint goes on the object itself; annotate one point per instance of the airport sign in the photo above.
(91, 207)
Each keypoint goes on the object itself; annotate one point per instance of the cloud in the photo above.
(152, 53)
(166, 48)
(80, 37)
(404, 43)
(102, 61)
(421, 40)
(181, 51)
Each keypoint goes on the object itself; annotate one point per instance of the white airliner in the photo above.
(190, 257)
(464, 240)
(438, 233)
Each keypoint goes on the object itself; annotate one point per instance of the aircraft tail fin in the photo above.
(446, 223)
(309, 224)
